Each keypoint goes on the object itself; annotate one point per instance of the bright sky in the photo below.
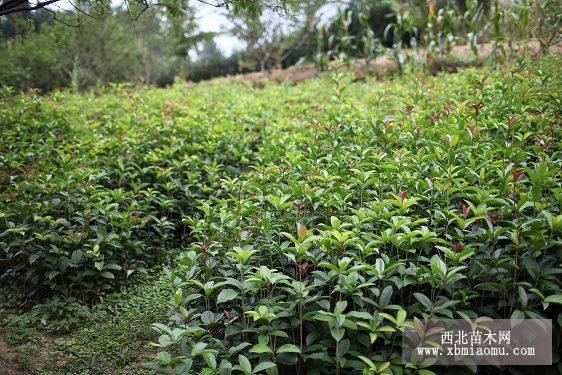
(213, 19)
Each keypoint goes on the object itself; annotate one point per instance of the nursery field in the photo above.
(292, 229)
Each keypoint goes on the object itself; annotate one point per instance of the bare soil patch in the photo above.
(8, 363)
(379, 67)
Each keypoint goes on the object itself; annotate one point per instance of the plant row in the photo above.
(426, 197)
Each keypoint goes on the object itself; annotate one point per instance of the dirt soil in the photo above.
(379, 67)
(8, 360)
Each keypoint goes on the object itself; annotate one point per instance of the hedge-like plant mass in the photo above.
(95, 187)
(315, 219)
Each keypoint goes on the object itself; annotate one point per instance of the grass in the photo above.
(110, 336)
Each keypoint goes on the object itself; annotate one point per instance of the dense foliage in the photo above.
(79, 51)
(313, 222)
(425, 197)
(87, 197)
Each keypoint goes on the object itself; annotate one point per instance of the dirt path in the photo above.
(8, 360)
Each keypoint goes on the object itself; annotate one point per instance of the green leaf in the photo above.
(198, 348)
(237, 348)
(225, 366)
(400, 317)
(522, 296)
(76, 256)
(337, 333)
(369, 363)
(33, 258)
(245, 364)
(207, 317)
(164, 341)
(424, 301)
(360, 315)
(210, 360)
(113, 266)
(107, 275)
(178, 296)
(518, 314)
(343, 348)
(555, 298)
(226, 295)
(264, 366)
(261, 348)
(164, 357)
(288, 348)
(438, 266)
(385, 296)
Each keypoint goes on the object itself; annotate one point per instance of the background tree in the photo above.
(20, 6)
(271, 36)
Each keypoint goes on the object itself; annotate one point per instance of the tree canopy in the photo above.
(19, 6)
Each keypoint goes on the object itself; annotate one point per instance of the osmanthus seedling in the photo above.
(328, 240)
(313, 257)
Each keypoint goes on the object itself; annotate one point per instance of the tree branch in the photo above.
(14, 6)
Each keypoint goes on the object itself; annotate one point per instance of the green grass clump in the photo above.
(115, 339)
(61, 336)
(314, 219)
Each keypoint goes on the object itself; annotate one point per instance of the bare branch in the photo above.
(83, 12)
(61, 21)
(18, 6)
(14, 6)
(216, 4)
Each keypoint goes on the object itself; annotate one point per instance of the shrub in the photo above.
(427, 197)
(96, 187)
(313, 222)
